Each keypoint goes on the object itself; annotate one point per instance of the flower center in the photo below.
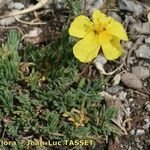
(98, 29)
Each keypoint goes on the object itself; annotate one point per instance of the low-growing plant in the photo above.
(44, 96)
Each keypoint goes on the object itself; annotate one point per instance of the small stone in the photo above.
(7, 21)
(34, 36)
(130, 6)
(116, 80)
(137, 140)
(115, 16)
(143, 52)
(16, 5)
(142, 72)
(140, 132)
(90, 5)
(132, 132)
(35, 32)
(122, 95)
(131, 100)
(146, 126)
(148, 17)
(147, 40)
(147, 107)
(100, 59)
(138, 10)
(142, 28)
(128, 44)
(114, 89)
(3, 3)
(131, 81)
(146, 120)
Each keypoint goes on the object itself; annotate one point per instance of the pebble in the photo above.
(131, 100)
(128, 111)
(143, 52)
(132, 132)
(114, 89)
(130, 6)
(92, 4)
(100, 59)
(35, 32)
(146, 120)
(140, 132)
(128, 44)
(142, 28)
(146, 126)
(131, 81)
(3, 3)
(115, 16)
(116, 80)
(122, 95)
(147, 107)
(142, 72)
(7, 21)
(16, 5)
(147, 40)
(148, 17)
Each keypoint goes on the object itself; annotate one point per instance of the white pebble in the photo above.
(146, 126)
(132, 132)
(140, 132)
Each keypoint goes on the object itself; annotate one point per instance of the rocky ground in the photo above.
(132, 89)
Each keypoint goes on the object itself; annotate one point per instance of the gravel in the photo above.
(114, 89)
(140, 132)
(143, 51)
(142, 72)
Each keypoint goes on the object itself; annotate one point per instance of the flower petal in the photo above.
(87, 49)
(117, 29)
(112, 49)
(98, 16)
(80, 26)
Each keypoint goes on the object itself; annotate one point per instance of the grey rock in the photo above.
(115, 16)
(7, 21)
(138, 10)
(131, 81)
(142, 72)
(132, 132)
(147, 40)
(122, 95)
(130, 6)
(147, 107)
(3, 2)
(146, 126)
(130, 19)
(140, 132)
(143, 51)
(131, 100)
(100, 59)
(16, 5)
(114, 89)
(142, 28)
(92, 4)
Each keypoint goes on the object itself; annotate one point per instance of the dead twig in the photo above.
(29, 23)
(39, 5)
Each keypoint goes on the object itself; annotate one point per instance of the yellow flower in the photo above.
(103, 32)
